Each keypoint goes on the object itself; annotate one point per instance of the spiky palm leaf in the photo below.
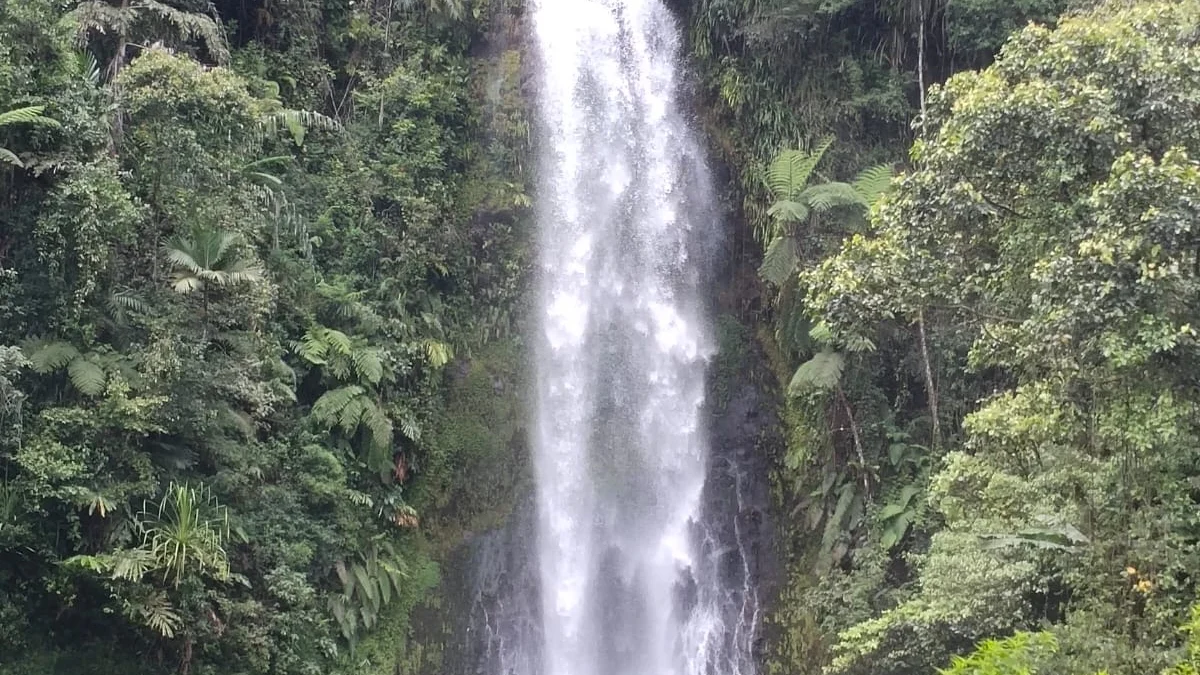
(186, 531)
(206, 256)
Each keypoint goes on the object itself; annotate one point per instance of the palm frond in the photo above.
(297, 122)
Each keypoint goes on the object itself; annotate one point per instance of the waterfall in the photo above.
(633, 581)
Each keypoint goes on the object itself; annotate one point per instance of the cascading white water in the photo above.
(630, 580)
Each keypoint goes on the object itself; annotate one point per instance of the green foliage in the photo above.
(368, 587)
(252, 281)
(1017, 655)
(1042, 243)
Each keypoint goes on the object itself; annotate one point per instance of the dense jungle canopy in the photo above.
(264, 277)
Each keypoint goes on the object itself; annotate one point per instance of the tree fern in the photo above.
(789, 211)
(328, 408)
(368, 364)
(190, 26)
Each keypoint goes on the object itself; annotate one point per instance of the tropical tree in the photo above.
(146, 21)
(799, 204)
(1050, 222)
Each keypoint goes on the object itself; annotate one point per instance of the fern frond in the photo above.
(410, 427)
(368, 363)
(327, 409)
(8, 157)
(822, 372)
(351, 414)
(28, 115)
(828, 196)
(131, 565)
(48, 357)
(87, 377)
(159, 615)
(120, 302)
(339, 342)
(379, 425)
(789, 211)
(780, 260)
(99, 16)
(871, 183)
(789, 172)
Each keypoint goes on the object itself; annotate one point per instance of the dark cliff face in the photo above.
(737, 502)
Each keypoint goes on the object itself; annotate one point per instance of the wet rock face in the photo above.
(737, 503)
(491, 606)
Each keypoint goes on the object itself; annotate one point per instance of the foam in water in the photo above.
(630, 581)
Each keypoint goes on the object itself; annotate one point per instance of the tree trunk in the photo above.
(930, 386)
(857, 436)
(114, 69)
(923, 18)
